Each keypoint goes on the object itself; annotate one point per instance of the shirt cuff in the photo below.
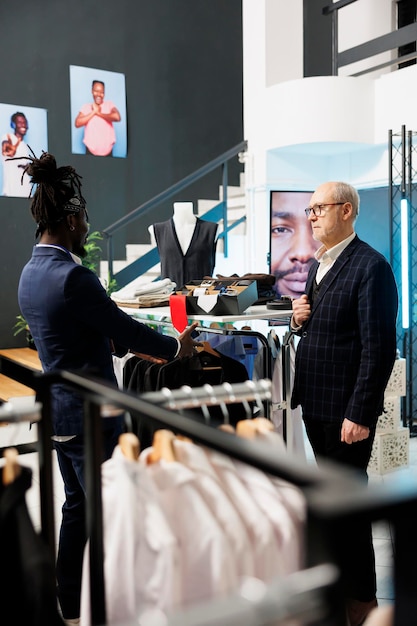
(293, 327)
(178, 347)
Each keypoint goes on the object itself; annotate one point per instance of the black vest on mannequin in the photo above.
(199, 259)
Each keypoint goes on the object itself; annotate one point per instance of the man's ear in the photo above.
(347, 209)
(71, 222)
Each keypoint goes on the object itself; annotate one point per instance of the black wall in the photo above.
(183, 65)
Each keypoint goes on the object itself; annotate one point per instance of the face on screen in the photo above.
(292, 243)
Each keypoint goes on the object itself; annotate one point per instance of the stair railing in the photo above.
(125, 275)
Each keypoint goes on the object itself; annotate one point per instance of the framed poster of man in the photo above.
(292, 246)
(22, 129)
(98, 112)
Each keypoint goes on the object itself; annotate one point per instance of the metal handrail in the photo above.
(385, 43)
(171, 191)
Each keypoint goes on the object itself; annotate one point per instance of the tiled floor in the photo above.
(19, 433)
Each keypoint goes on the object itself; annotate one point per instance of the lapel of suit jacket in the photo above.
(310, 280)
(332, 274)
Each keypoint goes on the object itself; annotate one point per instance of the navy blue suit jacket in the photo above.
(72, 321)
(348, 344)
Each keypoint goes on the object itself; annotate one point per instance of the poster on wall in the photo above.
(292, 246)
(98, 112)
(22, 129)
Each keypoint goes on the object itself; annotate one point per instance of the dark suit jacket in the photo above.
(348, 344)
(72, 321)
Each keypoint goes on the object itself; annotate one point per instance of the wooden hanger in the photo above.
(206, 347)
(130, 446)
(184, 438)
(162, 447)
(263, 424)
(251, 428)
(11, 469)
(246, 429)
(227, 428)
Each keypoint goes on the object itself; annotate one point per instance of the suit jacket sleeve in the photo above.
(377, 311)
(89, 303)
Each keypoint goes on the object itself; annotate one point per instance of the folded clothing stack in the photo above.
(138, 294)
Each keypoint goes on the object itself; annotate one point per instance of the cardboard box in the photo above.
(243, 294)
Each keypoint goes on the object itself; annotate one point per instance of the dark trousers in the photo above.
(72, 537)
(357, 547)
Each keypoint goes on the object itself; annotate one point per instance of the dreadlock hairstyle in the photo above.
(58, 191)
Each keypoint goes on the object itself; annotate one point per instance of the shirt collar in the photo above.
(74, 257)
(322, 255)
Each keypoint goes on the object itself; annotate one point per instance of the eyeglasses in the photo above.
(317, 209)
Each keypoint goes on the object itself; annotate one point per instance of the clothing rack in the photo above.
(286, 383)
(305, 595)
(10, 414)
(187, 397)
(267, 373)
(334, 495)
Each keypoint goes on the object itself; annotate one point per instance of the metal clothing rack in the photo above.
(12, 415)
(267, 360)
(334, 495)
(306, 596)
(286, 382)
(187, 397)
(267, 373)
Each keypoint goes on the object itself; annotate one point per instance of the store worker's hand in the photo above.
(187, 342)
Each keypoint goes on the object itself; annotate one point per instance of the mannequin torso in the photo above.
(186, 245)
(184, 223)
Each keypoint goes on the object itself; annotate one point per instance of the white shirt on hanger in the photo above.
(264, 493)
(261, 534)
(206, 567)
(209, 485)
(141, 553)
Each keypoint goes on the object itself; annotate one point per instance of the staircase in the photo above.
(235, 261)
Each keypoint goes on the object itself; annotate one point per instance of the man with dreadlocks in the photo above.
(72, 321)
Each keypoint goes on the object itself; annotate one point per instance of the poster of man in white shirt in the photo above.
(22, 129)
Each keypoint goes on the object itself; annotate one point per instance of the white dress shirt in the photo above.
(210, 487)
(264, 544)
(327, 258)
(141, 562)
(207, 570)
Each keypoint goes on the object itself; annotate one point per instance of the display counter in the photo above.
(252, 313)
